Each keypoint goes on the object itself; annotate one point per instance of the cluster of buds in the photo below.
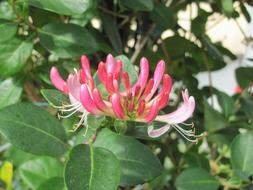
(140, 102)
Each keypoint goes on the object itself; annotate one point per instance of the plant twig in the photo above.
(209, 78)
(142, 42)
(113, 13)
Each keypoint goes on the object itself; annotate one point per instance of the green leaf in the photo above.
(64, 7)
(198, 25)
(138, 163)
(245, 12)
(92, 123)
(129, 67)
(177, 46)
(226, 102)
(67, 40)
(163, 17)
(55, 183)
(32, 129)
(227, 7)
(242, 153)
(111, 29)
(213, 120)
(138, 5)
(244, 76)
(195, 179)
(54, 97)
(6, 11)
(91, 168)
(7, 30)
(11, 91)
(35, 172)
(14, 55)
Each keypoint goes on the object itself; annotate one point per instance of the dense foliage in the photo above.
(38, 151)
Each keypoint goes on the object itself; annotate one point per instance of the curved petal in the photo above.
(57, 80)
(118, 70)
(157, 132)
(86, 99)
(98, 100)
(152, 112)
(116, 106)
(143, 76)
(86, 66)
(158, 75)
(74, 85)
(102, 72)
(109, 64)
(182, 113)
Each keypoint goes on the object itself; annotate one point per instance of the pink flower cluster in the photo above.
(140, 102)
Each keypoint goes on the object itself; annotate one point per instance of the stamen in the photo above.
(66, 116)
(76, 126)
(71, 109)
(187, 133)
(65, 105)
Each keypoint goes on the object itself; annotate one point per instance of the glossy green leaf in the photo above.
(196, 179)
(138, 5)
(54, 97)
(244, 76)
(67, 40)
(213, 120)
(138, 163)
(35, 172)
(32, 129)
(64, 7)
(91, 168)
(14, 55)
(11, 90)
(242, 154)
(7, 30)
(55, 183)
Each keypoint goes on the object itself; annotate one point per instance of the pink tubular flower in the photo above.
(140, 102)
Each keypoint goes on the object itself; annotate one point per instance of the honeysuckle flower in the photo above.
(140, 102)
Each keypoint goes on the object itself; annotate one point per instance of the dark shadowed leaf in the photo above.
(226, 102)
(23, 120)
(244, 76)
(163, 16)
(111, 29)
(213, 120)
(138, 163)
(91, 168)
